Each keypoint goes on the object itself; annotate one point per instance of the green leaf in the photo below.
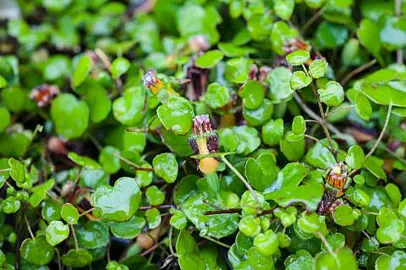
(10, 205)
(119, 66)
(96, 98)
(284, 8)
(237, 69)
(332, 95)
(128, 229)
(309, 195)
(83, 161)
(394, 193)
(320, 155)
(343, 215)
(37, 251)
(56, 232)
(128, 108)
(69, 213)
(93, 234)
(166, 166)
(299, 80)
(176, 115)
(363, 106)
(250, 226)
(82, 70)
(317, 68)
(71, 117)
(209, 59)
(185, 188)
(297, 58)
(309, 222)
(107, 205)
(109, 160)
(77, 258)
(51, 210)
(253, 94)
(40, 192)
(154, 195)
(3, 82)
(291, 175)
(314, 3)
(259, 26)
(14, 98)
(261, 172)
(392, 32)
(330, 36)
(260, 115)
(355, 157)
(293, 146)
(153, 217)
(374, 166)
(17, 171)
(266, 243)
(368, 35)
(6, 119)
(299, 125)
(178, 220)
(272, 132)
(343, 260)
(216, 96)
(279, 84)
(396, 261)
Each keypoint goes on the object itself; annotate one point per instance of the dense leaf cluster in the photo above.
(211, 134)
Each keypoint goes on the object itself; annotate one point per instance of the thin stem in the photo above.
(311, 137)
(356, 71)
(317, 118)
(103, 57)
(170, 242)
(339, 109)
(164, 206)
(393, 154)
(370, 213)
(86, 212)
(58, 255)
(324, 122)
(223, 211)
(133, 165)
(385, 126)
(28, 227)
(95, 142)
(324, 240)
(254, 195)
(5, 170)
(217, 242)
(313, 19)
(74, 236)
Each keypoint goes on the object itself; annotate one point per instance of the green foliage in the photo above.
(223, 134)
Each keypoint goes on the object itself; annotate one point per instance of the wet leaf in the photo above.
(299, 80)
(216, 96)
(176, 115)
(128, 229)
(253, 94)
(56, 232)
(117, 203)
(166, 166)
(77, 258)
(69, 213)
(332, 95)
(297, 58)
(37, 251)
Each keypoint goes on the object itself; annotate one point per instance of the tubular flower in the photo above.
(204, 141)
(152, 82)
(43, 94)
(338, 177)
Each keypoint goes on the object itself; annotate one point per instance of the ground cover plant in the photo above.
(207, 134)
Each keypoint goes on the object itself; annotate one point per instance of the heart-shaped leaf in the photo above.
(299, 80)
(343, 260)
(166, 166)
(253, 94)
(317, 68)
(176, 115)
(56, 232)
(71, 117)
(94, 234)
(128, 229)
(128, 108)
(355, 157)
(216, 95)
(17, 170)
(298, 57)
(69, 213)
(37, 251)
(332, 95)
(261, 172)
(118, 203)
(119, 66)
(77, 258)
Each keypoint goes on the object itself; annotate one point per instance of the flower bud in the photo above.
(152, 82)
(43, 94)
(204, 141)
